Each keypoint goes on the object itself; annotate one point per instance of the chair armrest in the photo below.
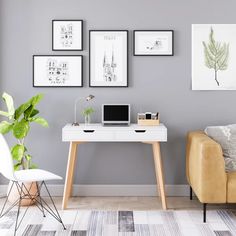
(205, 168)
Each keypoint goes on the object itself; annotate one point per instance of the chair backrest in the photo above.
(6, 163)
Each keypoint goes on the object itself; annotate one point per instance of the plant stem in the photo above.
(24, 162)
(216, 78)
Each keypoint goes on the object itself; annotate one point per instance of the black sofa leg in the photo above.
(191, 193)
(204, 212)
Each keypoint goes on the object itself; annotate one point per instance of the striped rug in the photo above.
(124, 223)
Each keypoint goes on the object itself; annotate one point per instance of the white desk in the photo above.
(98, 133)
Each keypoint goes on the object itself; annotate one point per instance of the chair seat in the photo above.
(35, 175)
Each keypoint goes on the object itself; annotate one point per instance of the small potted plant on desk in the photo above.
(87, 112)
(18, 123)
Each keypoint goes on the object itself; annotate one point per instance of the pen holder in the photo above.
(153, 119)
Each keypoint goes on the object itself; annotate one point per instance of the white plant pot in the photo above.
(14, 195)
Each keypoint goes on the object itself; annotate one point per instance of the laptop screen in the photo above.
(116, 113)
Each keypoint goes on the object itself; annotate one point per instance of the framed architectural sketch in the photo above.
(108, 58)
(153, 42)
(213, 57)
(57, 71)
(67, 35)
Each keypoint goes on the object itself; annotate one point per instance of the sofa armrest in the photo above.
(205, 168)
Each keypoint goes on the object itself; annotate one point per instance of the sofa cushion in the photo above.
(226, 137)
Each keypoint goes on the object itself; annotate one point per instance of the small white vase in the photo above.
(87, 119)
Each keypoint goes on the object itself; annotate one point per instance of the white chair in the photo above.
(18, 178)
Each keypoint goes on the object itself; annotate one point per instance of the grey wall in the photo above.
(156, 83)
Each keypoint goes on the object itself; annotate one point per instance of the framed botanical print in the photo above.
(57, 71)
(153, 42)
(108, 58)
(213, 57)
(67, 35)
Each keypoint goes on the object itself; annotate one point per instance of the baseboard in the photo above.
(114, 190)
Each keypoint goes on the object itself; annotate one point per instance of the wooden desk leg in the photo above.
(159, 172)
(69, 174)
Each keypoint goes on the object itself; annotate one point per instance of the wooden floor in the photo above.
(135, 203)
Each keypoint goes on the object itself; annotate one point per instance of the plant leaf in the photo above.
(40, 121)
(5, 127)
(21, 129)
(36, 99)
(28, 111)
(10, 104)
(17, 152)
(34, 113)
(28, 107)
(21, 109)
(4, 113)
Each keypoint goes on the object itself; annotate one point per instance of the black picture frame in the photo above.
(158, 31)
(73, 20)
(127, 58)
(47, 86)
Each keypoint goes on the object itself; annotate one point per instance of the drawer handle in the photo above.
(89, 131)
(140, 131)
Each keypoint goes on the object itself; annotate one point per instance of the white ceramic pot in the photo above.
(14, 195)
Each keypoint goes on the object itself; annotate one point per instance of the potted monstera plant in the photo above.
(18, 123)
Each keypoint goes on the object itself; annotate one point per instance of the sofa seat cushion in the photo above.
(231, 187)
(226, 137)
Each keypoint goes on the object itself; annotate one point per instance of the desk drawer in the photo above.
(87, 135)
(141, 135)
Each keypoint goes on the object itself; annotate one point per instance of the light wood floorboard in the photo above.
(133, 203)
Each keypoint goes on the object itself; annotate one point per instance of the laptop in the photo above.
(116, 114)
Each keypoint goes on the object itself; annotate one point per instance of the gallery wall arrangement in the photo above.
(108, 55)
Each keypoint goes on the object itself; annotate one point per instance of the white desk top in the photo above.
(99, 126)
(99, 133)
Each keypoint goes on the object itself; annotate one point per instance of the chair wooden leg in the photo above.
(191, 193)
(204, 212)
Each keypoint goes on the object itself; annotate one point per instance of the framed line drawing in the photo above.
(57, 71)
(67, 35)
(153, 42)
(108, 58)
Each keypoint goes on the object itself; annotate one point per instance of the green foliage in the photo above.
(19, 123)
(9, 103)
(216, 55)
(88, 111)
(17, 152)
(5, 127)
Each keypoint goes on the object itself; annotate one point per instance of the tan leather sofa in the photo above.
(205, 171)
